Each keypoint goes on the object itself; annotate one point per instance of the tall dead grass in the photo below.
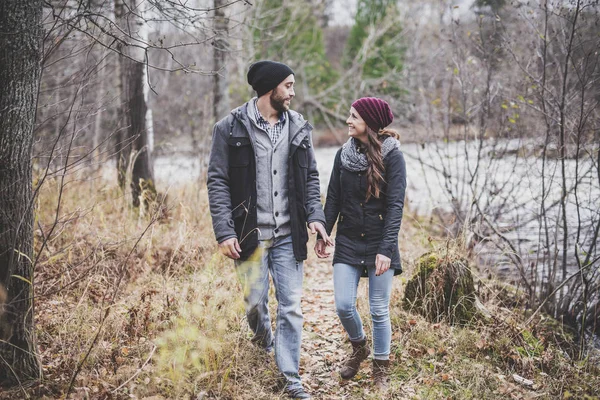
(132, 306)
(142, 305)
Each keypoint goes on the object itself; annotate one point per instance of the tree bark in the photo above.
(220, 49)
(20, 72)
(120, 144)
(98, 133)
(133, 142)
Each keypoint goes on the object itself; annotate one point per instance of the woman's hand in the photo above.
(382, 264)
(317, 227)
(321, 249)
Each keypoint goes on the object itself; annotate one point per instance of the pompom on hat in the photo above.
(375, 112)
(265, 75)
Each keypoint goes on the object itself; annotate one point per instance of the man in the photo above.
(263, 188)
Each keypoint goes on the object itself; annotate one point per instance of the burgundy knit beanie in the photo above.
(376, 112)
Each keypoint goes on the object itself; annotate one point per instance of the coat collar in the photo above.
(299, 127)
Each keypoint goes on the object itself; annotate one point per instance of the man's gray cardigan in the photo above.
(273, 214)
(233, 185)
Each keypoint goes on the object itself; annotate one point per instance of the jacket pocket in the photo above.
(240, 151)
(240, 217)
(374, 224)
(340, 221)
(302, 153)
(239, 211)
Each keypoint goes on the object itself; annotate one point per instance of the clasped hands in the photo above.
(231, 247)
(382, 263)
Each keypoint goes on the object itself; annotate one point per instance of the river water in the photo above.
(504, 181)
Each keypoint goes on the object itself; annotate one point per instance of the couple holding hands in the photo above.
(263, 188)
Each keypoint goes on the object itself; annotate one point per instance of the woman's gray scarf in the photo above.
(355, 161)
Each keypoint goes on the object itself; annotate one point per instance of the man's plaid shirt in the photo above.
(274, 131)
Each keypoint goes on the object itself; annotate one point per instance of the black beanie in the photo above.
(265, 76)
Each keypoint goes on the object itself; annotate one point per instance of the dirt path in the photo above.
(324, 343)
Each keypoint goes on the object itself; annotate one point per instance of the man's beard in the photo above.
(278, 102)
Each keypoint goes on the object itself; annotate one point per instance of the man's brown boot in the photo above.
(360, 351)
(380, 373)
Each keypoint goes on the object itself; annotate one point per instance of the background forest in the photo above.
(111, 284)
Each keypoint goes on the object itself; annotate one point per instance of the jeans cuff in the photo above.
(364, 337)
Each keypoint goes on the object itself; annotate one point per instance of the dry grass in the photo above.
(175, 324)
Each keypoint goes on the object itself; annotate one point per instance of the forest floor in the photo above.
(142, 305)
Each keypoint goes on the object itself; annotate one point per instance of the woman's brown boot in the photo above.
(380, 373)
(360, 351)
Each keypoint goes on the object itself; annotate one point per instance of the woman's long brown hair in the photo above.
(376, 168)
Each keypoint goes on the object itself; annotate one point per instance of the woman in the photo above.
(366, 198)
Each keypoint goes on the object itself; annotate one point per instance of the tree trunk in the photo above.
(133, 140)
(98, 133)
(20, 71)
(220, 49)
(120, 154)
(142, 178)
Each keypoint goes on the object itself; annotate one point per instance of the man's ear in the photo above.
(268, 94)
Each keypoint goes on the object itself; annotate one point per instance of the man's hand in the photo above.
(321, 249)
(318, 227)
(382, 264)
(230, 248)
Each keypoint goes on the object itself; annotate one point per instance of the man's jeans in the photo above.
(345, 284)
(277, 257)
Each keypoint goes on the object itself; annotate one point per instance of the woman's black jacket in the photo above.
(365, 229)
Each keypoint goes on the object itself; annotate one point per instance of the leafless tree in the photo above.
(516, 98)
(220, 52)
(135, 133)
(20, 70)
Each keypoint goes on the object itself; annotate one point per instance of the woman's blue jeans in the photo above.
(345, 283)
